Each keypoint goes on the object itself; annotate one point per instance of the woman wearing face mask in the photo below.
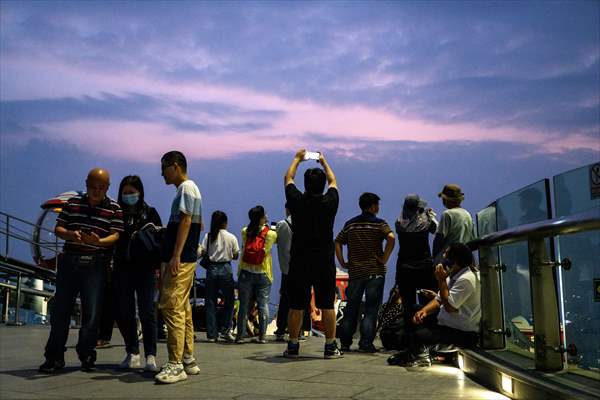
(131, 278)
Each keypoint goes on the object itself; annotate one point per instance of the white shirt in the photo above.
(464, 295)
(224, 249)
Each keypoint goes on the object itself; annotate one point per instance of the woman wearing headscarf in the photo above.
(414, 268)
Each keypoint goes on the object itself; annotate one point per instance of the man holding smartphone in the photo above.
(312, 262)
(90, 225)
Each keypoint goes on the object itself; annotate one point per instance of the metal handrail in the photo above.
(582, 222)
(25, 221)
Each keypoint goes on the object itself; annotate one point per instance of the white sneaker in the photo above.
(171, 373)
(151, 364)
(131, 361)
(190, 367)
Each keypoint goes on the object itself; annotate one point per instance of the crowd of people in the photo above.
(435, 298)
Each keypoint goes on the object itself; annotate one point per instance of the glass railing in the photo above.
(580, 285)
(525, 275)
(524, 206)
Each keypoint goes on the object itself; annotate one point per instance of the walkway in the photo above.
(249, 371)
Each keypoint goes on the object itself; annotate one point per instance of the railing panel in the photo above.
(580, 283)
(527, 205)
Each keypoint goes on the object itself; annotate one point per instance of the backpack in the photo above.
(254, 249)
(144, 246)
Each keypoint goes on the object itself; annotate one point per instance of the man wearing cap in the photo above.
(90, 225)
(456, 224)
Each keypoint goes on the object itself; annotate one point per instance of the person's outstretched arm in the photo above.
(291, 172)
(331, 181)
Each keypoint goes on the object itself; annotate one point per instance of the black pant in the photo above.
(85, 276)
(411, 279)
(284, 308)
(107, 314)
(131, 282)
(421, 337)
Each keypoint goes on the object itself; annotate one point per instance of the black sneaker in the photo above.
(417, 364)
(88, 364)
(332, 351)
(51, 366)
(367, 349)
(292, 350)
(399, 358)
(345, 348)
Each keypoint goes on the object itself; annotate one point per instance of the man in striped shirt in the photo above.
(364, 235)
(89, 224)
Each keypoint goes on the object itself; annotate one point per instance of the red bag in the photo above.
(254, 249)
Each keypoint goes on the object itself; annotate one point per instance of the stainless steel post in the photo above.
(544, 296)
(492, 321)
(6, 244)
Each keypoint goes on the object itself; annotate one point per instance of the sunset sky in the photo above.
(401, 97)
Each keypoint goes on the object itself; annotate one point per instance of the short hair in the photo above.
(175, 157)
(460, 254)
(367, 199)
(314, 181)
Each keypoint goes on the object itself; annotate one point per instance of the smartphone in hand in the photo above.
(312, 155)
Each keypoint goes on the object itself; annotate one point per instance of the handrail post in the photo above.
(492, 321)
(6, 244)
(544, 297)
(6, 305)
(17, 322)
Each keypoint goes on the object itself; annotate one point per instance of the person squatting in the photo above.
(435, 300)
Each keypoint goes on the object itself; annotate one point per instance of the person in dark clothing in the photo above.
(390, 322)
(134, 276)
(90, 225)
(414, 267)
(312, 254)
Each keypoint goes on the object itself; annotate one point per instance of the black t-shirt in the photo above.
(313, 216)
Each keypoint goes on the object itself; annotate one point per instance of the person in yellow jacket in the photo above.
(255, 272)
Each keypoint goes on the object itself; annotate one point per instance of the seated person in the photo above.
(390, 322)
(452, 316)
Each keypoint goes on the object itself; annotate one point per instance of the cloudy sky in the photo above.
(401, 96)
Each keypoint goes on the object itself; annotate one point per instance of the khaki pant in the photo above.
(176, 310)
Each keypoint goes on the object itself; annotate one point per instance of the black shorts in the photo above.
(317, 273)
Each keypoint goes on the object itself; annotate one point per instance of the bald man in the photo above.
(89, 224)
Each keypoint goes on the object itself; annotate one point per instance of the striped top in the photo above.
(103, 219)
(364, 236)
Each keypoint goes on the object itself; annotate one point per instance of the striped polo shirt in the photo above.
(103, 219)
(364, 236)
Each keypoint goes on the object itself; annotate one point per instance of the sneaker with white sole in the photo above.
(332, 350)
(171, 372)
(151, 364)
(132, 361)
(228, 337)
(190, 366)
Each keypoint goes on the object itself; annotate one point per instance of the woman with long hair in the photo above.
(135, 276)
(255, 271)
(221, 247)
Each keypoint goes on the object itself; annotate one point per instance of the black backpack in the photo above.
(144, 246)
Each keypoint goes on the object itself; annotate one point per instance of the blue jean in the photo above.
(128, 282)
(253, 286)
(219, 278)
(86, 279)
(373, 290)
